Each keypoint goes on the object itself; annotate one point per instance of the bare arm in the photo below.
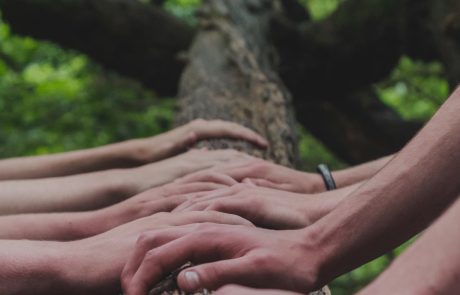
(99, 189)
(355, 174)
(89, 266)
(78, 225)
(125, 154)
(398, 202)
(430, 266)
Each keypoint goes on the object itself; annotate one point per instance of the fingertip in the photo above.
(189, 280)
(192, 137)
(262, 142)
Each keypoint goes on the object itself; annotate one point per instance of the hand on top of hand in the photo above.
(180, 138)
(265, 207)
(94, 265)
(224, 254)
(262, 173)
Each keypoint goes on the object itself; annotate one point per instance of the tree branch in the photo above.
(358, 128)
(135, 39)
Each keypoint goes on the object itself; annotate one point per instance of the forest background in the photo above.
(54, 99)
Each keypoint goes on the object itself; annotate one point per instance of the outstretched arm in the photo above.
(398, 202)
(125, 154)
(267, 174)
(89, 266)
(99, 189)
(359, 173)
(78, 225)
(430, 266)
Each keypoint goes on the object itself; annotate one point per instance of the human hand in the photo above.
(234, 289)
(264, 174)
(94, 265)
(231, 254)
(264, 207)
(168, 170)
(177, 140)
(155, 200)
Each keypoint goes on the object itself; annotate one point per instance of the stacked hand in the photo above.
(179, 139)
(261, 173)
(94, 265)
(264, 207)
(223, 254)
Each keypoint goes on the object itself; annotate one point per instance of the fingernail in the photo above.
(192, 279)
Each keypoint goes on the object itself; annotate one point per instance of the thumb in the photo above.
(214, 275)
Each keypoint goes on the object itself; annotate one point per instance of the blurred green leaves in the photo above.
(415, 89)
(55, 100)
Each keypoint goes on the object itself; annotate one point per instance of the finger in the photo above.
(193, 187)
(163, 205)
(248, 181)
(145, 243)
(208, 176)
(159, 262)
(225, 192)
(213, 275)
(154, 238)
(219, 128)
(263, 183)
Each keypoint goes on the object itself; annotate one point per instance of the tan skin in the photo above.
(403, 198)
(88, 266)
(131, 153)
(94, 190)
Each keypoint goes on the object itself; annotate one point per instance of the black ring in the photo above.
(327, 176)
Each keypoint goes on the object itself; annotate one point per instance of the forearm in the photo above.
(30, 268)
(430, 265)
(63, 194)
(355, 174)
(48, 226)
(398, 202)
(87, 191)
(119, 155)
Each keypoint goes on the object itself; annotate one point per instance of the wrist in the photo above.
(31, 267)
(86, 267)
(318, 255)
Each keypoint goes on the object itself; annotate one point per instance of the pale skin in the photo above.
(266, 174)
(430, 266)
(88, 266)
(100, 189)
(399, 201)
(267, 207)
(78, 225)
(126, 154)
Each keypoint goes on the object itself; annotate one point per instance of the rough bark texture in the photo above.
(231, 76)
(338, 58)
(132, 38)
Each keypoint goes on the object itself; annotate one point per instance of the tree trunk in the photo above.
(231, 76)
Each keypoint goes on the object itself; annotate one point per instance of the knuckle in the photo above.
(264, 260)
(144, 240)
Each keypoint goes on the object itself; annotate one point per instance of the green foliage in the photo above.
(320, 9)
(54, 100)
(183, 9)
(415, 89)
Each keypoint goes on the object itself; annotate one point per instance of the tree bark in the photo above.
(231, 76)
(135, 39)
